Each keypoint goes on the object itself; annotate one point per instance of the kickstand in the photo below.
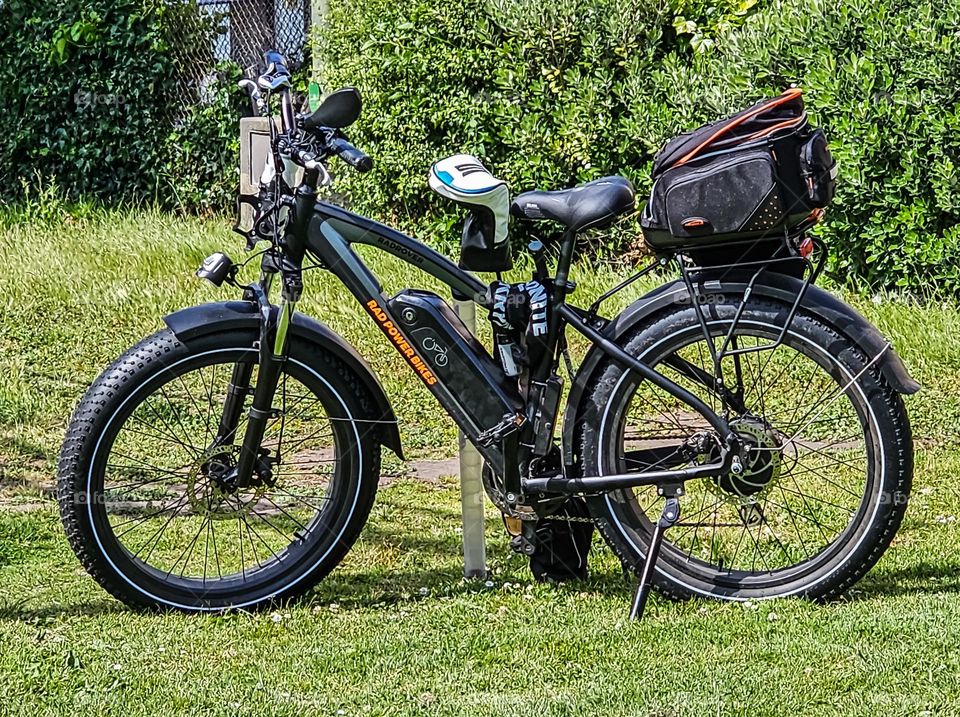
(668, 517)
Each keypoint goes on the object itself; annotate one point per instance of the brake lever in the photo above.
(310, 162)
(256, 99)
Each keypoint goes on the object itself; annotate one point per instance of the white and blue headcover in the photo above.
(466, 181)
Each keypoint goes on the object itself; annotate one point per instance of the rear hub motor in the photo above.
(760, 459)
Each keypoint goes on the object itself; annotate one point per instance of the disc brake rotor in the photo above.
(209, 495)
(761, 464)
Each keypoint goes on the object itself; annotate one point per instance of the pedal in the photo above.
(526, 542)
(509, 424)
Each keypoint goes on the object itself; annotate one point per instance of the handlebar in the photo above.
(324, 125)
(356, 158)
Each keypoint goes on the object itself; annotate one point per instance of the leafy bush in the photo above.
(85, 83)
(95, 91)
(535, 89)
(549, 94)
(882, 79)
(564, 91)
(200, 169)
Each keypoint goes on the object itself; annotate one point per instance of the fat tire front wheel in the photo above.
(140, 484)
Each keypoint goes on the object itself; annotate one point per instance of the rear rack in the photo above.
(785, 258)
(694, 275)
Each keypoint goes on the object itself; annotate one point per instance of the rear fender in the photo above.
(844, 319)
(191, 323)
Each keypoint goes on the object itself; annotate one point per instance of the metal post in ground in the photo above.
(471, 483)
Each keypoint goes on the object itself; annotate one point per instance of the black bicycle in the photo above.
(231, 459)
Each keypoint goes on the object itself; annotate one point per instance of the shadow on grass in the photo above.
(26, 468)
(12, 443)
(384, 588)
(350, 591)
(915, 579)
(406, 540)
(22, 612)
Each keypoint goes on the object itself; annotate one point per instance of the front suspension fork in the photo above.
(273, 345)
(273, 354)
(239, 387)
(237, 391)
(273, 338)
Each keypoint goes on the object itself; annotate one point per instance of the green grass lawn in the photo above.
(395, 630)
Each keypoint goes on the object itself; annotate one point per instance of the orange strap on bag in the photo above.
(788, 95)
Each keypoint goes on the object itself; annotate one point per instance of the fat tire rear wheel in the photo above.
(681, 574)
(134, 378)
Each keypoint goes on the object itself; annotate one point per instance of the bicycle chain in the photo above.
(530, 517)
(533, 516)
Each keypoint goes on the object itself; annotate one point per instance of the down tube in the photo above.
(335, 252)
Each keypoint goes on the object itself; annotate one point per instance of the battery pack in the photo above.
(468, 383)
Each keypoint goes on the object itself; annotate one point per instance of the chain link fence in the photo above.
(245, 29)
(236, 32)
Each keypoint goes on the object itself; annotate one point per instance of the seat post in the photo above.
(561, 286)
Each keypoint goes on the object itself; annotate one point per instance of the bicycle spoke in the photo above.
(166, 506)
(178, 505)
(817, 439)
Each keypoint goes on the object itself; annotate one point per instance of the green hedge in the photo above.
(557, 92)
(102, 99)
(549, 93)
(85, 82)
(883, 78)
(537, 89)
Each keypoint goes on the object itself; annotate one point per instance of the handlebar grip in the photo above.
(358, 159)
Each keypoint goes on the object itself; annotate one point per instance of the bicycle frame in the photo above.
(507, 404)
(526, 428)
(333, 230)
(510, 442)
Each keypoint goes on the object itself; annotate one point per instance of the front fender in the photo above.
(842, 317)
(196, 321)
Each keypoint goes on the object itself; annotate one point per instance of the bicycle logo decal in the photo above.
(438, 350)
